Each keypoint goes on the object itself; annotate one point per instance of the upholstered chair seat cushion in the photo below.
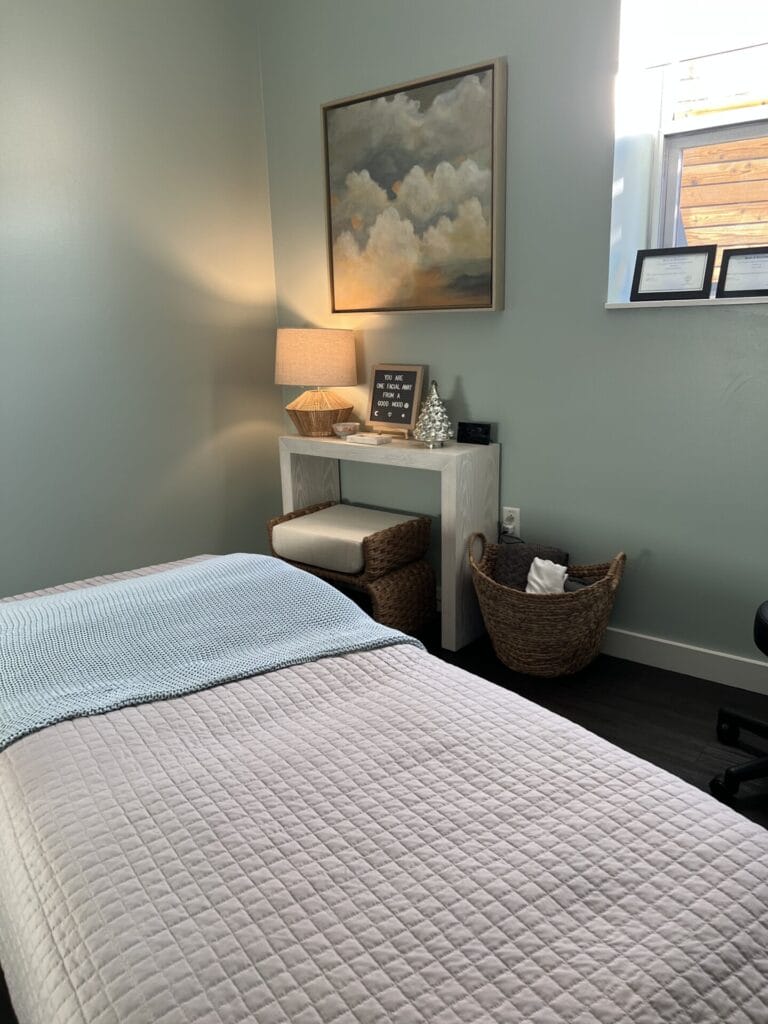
(332, 538)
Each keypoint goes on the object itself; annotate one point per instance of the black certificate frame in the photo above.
(723, 291)
(708, 251)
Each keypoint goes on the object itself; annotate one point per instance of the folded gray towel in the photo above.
(574, 584)
(513, 562)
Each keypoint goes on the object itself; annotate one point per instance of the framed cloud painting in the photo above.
(415, 194)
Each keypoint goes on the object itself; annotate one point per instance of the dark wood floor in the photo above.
(663, 717)
(6, 1011)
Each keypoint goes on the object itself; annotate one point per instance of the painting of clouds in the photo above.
(412, 175)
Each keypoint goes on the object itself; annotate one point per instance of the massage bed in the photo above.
(371, 836)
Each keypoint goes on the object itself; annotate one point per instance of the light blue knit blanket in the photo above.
(83, 652)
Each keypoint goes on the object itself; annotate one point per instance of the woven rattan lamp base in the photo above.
(315, 412)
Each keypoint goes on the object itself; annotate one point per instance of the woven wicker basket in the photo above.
(545, 634)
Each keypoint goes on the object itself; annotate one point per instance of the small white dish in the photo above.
(345, 429)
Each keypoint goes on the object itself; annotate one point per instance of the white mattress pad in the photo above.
(377, 837)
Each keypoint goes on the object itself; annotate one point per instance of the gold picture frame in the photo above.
(418, 223)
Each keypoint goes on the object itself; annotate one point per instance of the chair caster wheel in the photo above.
(728, 733)
(720, 792)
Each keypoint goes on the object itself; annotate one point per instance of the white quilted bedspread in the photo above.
(373, 837)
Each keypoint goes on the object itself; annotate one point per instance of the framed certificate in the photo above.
(744, 272)
(683, 273)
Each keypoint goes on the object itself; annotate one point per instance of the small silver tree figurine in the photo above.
(433, 426)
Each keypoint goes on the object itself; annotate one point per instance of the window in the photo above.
(691, 152)
(715, 188)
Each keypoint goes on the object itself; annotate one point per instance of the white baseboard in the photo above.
(731, 669)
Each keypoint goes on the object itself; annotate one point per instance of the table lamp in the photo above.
(319, 358)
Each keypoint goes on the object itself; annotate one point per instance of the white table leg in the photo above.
(469, 504)
(469, 498)
(308, 480)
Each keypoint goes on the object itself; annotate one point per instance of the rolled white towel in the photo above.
(545, 577)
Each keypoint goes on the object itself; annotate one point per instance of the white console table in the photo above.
(469, 502)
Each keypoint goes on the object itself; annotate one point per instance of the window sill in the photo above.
(666, 303)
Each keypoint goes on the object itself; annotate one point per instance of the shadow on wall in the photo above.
(151, 423)
(455, 401)
(222, 384)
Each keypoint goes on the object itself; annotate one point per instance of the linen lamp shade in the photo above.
(318, 357)
(315, 357)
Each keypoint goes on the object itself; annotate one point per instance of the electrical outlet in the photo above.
(510, 521)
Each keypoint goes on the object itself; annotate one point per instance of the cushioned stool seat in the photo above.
(332, 538)
(380, 554)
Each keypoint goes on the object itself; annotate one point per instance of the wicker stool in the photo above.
(395, 577)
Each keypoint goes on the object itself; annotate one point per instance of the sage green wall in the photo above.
(644, 430)
(137, 417)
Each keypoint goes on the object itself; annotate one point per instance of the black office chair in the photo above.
(729, 726)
